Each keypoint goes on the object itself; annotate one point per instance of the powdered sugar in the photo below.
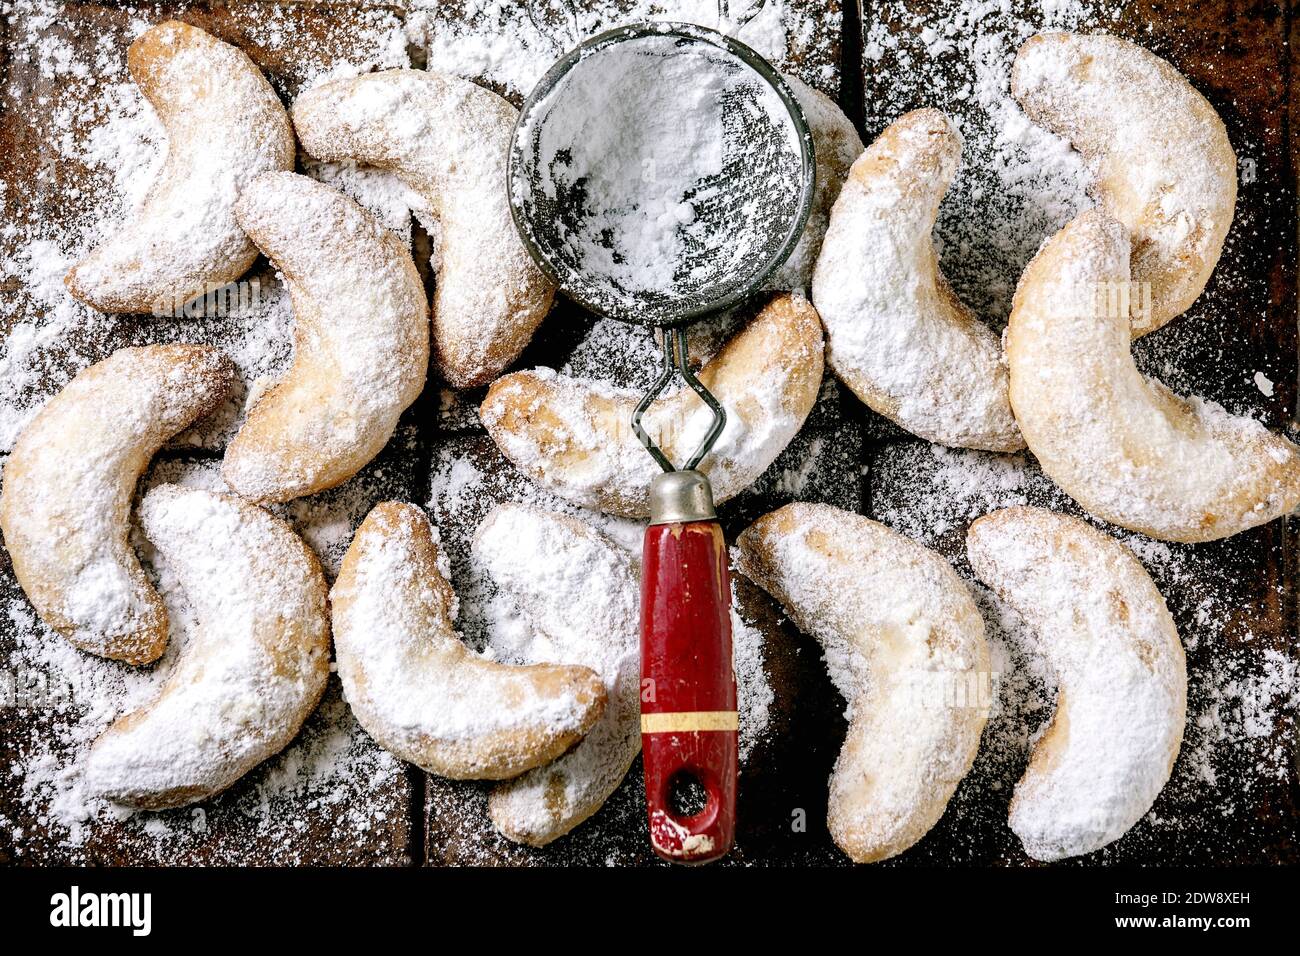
(332, 776)
(894, 333)
(448, 140)
(1122, 680)
(412, 683)
(512, 45)
(183, 239)
(754, 694)
(836, 144)
(255, 660)
(464, 493)
(904, 645)
(111, 144)
(334, 781)
(362, 325)
(68, 488)
(569, 599)
(1236, 679)
(1244, 706)
(1175, 192)
(577, 594)
(1025, 181)
(129, 143)
(1118, 442)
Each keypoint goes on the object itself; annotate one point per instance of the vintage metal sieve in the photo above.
(744, 214)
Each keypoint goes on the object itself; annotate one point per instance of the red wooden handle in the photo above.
(688, 688)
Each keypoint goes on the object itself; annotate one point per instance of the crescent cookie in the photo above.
(905, 643)
(224, 126)
(1161, 157)
(1120, 443)
(448, 140)
(417, 689)
(1121, 677)
(68, 485)
(361, 341)
(581, 591)
(575, 436)
(252, 668)
(896, 334)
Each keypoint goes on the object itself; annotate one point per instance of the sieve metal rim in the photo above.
(747, 55)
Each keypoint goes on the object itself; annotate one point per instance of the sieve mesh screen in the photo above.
(661, 172)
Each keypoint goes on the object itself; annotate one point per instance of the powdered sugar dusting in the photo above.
(575, 596)
(1121, 444)
(512, 45)
(1234, 683)
(69, 483)
(1122, 680)
(361, 318)
(448, 140)
(467, 484)
(255, 662)
(110, 146)
(1021, 177)
(183, 238)
(332, 772)
(894, 333)
(905, 647)
(334, 780)
(585, 450)
(1176, 191)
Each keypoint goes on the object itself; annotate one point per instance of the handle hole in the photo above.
(687, 795)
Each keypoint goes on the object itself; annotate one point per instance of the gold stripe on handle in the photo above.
(685, 721)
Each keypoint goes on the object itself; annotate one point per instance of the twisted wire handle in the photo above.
(676, 360)
(567, 11)
(728, 25)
